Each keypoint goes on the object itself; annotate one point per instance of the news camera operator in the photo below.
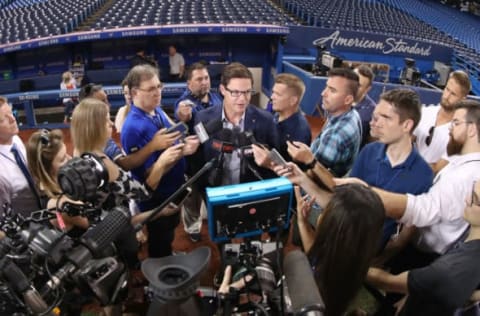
(46, 154)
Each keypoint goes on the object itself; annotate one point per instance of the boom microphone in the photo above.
(304, 294)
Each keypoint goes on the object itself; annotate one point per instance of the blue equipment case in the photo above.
(248, 209)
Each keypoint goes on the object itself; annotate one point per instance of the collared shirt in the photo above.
(139, 129)
(439, 138)
(337, 145)
(365, 108)
(294, 128)
(15, 188)
(232, 162)
(439, 212)
(413, 175)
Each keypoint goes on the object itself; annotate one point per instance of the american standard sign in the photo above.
(387, 46)
(366, 43)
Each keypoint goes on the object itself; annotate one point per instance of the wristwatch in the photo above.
(310, 165)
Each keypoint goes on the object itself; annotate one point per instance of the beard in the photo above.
(454, 147)
(446, 106)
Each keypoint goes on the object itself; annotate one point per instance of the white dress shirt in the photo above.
(15, 188)
(439, 213)
(439, 140)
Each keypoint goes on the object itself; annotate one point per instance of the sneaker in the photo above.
(195, 237)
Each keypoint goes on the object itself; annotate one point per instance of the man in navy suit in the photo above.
(239, 118)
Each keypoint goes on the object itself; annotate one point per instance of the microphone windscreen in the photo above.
(225, 135)
(242, 140)
(301, 284)
(213, 127)
(104, 233)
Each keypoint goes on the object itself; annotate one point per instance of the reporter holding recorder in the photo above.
(145, 119)
(340, 263)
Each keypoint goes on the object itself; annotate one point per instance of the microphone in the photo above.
(20, 283)
(92, 244)
(223, 143)
(303, 291)
(205, 131)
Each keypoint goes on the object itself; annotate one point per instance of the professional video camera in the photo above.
(410, 74)
(39, 263)
(243, 210)
(325, 61)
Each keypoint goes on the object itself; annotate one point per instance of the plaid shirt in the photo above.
(337, 145)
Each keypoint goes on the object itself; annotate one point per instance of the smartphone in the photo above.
(179, 127)
(180, 199)
(277, 158)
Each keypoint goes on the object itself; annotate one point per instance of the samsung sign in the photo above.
(339, 40)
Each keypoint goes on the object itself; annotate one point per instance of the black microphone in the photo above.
(303, 291)
(92, 244)
(19, 282)
(223, 141)
(204, 131)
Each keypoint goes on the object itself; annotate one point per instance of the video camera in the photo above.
(410, 74)
(40, 264)
(325, 60)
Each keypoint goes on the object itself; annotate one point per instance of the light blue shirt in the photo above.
(232, 162)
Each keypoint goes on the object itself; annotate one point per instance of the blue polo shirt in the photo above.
(413, 176)
(365, 109)
(214, 99)
(137, 131)
(294, 128)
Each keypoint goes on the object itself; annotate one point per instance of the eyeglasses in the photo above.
(429, 138)
(474, 197)
(152, 89)
(456, 123)
(236, 93)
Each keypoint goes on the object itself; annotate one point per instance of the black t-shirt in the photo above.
(446, 284)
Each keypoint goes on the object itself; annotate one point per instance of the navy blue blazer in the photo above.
(257, 121)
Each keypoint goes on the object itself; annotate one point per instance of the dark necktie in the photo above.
(21, 164)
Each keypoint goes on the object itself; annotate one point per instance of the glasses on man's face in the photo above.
(429, 138)
(237, 93)
(455, 123)
(152, 89)
(474, 200)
